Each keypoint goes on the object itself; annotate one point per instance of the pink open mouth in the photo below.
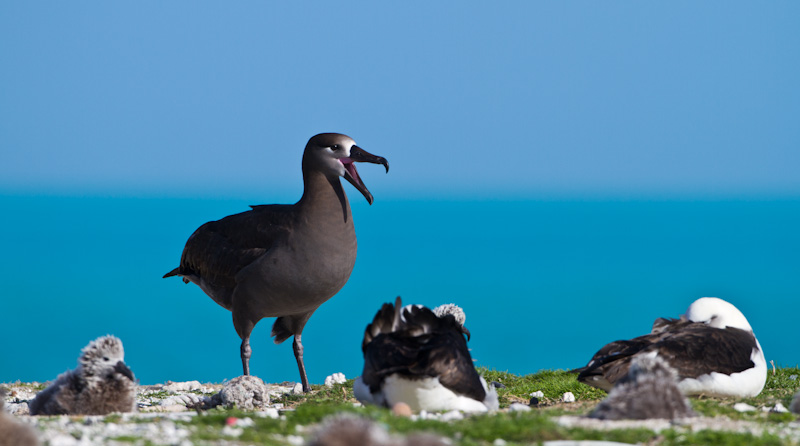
(351, 169)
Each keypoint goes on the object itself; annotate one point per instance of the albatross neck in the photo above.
(324, 200)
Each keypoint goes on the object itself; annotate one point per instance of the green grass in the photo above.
(517, 428)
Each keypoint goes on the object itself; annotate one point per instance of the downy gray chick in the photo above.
(101, 384)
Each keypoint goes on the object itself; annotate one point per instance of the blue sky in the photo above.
(465, 99)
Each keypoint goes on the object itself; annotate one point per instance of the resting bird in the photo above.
(712, 348)
(12, 432)
(101, 384)
(649, 390)
(283, 260)
(415, 357)
(346, 429)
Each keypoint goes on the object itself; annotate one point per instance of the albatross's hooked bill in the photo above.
(283, 261)
(712, 348)
(415, 357)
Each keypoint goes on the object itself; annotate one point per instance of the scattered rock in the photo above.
(297, 389)
(18, 409)
(779, 408)
(452, 416)
(499, 442)
(568, 397)
(185, 400)
(519, 407)
(498, 385)
(269, 412)
(295, 440)
(187, 386)
(229, 431)
(534, 402)
(538, 394)
(245, 392)
(743, 407)
(336, 378)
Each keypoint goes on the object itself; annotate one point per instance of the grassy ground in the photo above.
(532, 427)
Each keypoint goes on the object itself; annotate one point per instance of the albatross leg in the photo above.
(246, 351)
(244, 326)
(298, 354)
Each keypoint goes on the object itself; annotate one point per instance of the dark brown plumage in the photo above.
(413, 344)
(714, 337)
(283, 261)
(649, 390)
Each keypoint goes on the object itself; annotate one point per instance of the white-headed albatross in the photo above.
(283, 260)
(413, 356)
(712, 348)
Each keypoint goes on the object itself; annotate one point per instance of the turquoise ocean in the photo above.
(544, 283)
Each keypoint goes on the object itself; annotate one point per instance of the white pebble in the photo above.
(295, 440)
(519, 407)
(568, 397)
(232, 431)
(297, 389)
(63, 440)
(538, 394)
(182, 386)
(779, 408)
(743, 407)
(499, 442)
(182, 400)
(269, 412)
(245, 422)
(336, 378)
(452, 415)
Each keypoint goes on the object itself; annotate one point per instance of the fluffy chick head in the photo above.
(102, 356)
(453, 309)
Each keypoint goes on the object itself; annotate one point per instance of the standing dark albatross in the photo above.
(283, 260)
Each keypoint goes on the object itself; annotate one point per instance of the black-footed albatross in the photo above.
(283, 260)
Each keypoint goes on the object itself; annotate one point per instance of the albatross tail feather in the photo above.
(174, 272)
(281, 331)
(386, 321)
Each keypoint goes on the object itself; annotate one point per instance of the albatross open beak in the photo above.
(123, 369)
(359, 155)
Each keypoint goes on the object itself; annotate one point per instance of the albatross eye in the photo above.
(105, 358)
(336, 147)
